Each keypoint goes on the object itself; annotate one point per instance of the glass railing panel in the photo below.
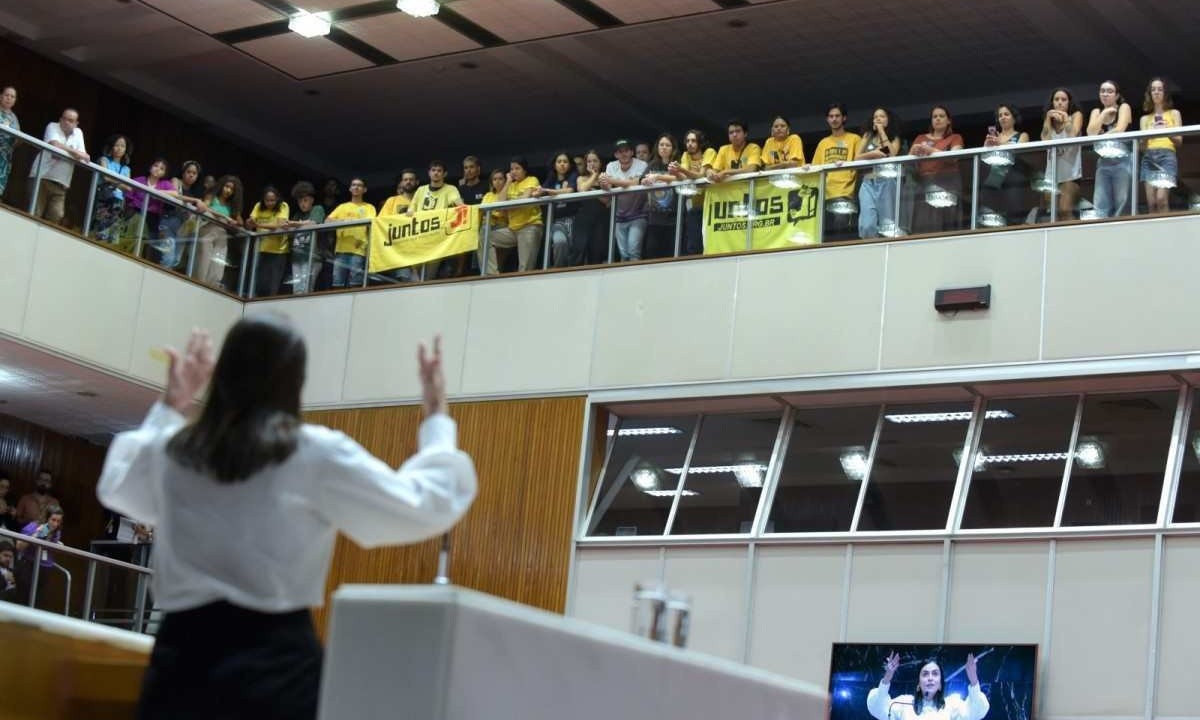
(1014, 189)
(1108, 186)
(940, 192)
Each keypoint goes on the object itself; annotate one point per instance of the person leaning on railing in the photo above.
(224, 213)
(589, 235)
(51, 172)
(8, 99)
(305, 212)
(696, 156)
(1007, 180)
(877, 191)
(525, 225)
(561, 179)
(1160, 162)
(1111, 196)
(661, 206)
(158, 249)
(939, 207)
(49, 528)
(1064, 119)
(350, 251)
(108, 207)
(270, 213)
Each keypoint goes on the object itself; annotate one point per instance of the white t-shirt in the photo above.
(265, 543)
(630, 205)
(54, 166)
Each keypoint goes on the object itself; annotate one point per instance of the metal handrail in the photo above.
(859, 164)
(115, 178)
(75, 552)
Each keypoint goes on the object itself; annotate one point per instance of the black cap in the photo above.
(622, 143)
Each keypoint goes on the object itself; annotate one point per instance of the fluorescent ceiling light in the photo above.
(310, 25)
(709, 469)
(626, 432)
(982, 459)
(947, 416)
(669, 493)
(418, 8)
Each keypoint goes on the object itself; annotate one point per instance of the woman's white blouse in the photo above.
(883, 707)
(265, 543)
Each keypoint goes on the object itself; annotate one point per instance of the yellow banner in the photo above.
(781, 217)
(403, 241)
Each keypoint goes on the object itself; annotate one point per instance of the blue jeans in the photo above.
(348, 270)
(1112, 187)
(876, 206)
(629, 238)
(560, 240)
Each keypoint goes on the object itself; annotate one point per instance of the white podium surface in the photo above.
(445, 653)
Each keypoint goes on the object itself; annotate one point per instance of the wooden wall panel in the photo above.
(515, 542)
(75, 464)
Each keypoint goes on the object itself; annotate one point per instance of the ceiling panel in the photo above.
(215, 16)
(635, 11)
(405, 38)
(517, 20)
(303, 57)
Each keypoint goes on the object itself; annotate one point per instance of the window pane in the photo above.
(636, 491)
(1019, 466)
(823, 469)
(725, 478)
(1120, 458)
(1187, 498)
(916, 465)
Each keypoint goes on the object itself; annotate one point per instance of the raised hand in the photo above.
(433, 382)
(890, 667)
(972, 669)
(187, 373)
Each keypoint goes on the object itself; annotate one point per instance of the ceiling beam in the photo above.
(592, 12)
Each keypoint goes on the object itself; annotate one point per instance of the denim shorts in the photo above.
(1161, 162)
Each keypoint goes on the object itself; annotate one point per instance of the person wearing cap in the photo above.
(737, 158)
(624, 172)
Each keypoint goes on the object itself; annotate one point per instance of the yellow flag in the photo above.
(780, 217)
(405, 240)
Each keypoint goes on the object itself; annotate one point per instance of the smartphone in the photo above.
(992, 130)
(1158, 119)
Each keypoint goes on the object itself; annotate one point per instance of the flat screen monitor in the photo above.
(1006, 676)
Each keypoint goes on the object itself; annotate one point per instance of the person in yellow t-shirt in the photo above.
(1160, 161)
(350, 252)
(783, 149)
(737, 158)
(405, 187)
(271, 260)
(525, 227)
(697, 156)
(437, 195)
(839, 146)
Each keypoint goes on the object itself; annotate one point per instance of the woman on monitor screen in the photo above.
(928, 699)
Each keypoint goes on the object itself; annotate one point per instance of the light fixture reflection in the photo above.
(310, 25)
(1112, 149)
(644, 479)
(687, 190)
(1161, 180)
(997, 158)
(627, 432)
(1089, 454)
(669, 493)
(890, 229)
(991, 219)
(939, 197)
(785, 182)
(888, 171)
(418, 8)
(854, 464)
(843, 206)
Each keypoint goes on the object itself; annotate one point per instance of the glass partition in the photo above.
(1120, 459)
(1019, 465)
(915, 467)
(637, 489)
(824, 467)
(724, 480)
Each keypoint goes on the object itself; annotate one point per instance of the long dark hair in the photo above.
(251, 419)
(1148, 103)
(108, 149)
(1072, 108)
(939, 698)
(235, 202)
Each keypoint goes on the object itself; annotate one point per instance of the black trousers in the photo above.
(222, 662)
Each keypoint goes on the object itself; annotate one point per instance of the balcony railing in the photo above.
(985, 188)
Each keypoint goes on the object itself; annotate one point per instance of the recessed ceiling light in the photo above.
(418, 8)
(737, 23)
(87, 393)
(468, 65)
(310, 25)
(311, 91)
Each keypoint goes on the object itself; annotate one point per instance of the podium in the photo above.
(446, 653)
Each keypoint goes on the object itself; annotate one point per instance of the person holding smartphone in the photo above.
(246, 500)
(1003, 191)
(1160, 159)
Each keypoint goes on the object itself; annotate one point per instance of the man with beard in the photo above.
(32, 506)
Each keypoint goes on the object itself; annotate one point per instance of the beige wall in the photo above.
(1073, 292)
(1095, 641)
